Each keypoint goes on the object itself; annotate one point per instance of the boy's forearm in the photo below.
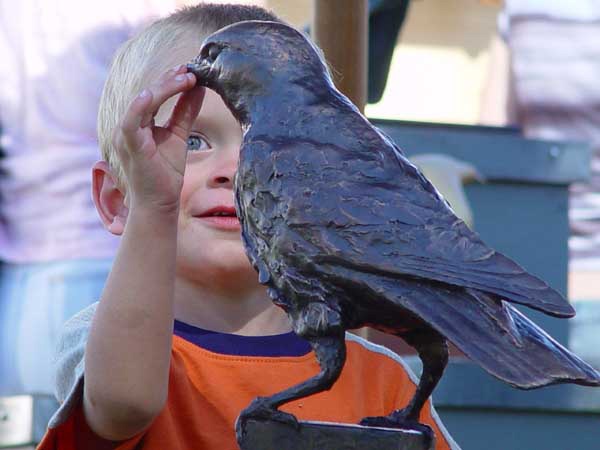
(129, 347)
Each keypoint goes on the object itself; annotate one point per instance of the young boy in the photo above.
(184, 336)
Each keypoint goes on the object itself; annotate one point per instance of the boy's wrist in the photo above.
(155, 209)
(155, 217)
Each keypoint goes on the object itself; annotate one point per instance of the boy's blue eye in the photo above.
(197, 143)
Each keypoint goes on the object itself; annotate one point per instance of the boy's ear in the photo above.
(108, 198)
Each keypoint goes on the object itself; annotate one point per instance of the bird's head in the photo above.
(257, 59)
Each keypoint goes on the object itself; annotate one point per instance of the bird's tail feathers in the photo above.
(536, 353)
(498, 337)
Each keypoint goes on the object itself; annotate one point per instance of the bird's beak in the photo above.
(202, 69)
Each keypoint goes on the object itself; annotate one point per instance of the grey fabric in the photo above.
(69, 363)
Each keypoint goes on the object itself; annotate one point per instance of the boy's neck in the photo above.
(228, 309)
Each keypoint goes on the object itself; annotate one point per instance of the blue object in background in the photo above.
(385, 21)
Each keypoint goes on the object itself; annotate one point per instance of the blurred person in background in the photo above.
(55, 253)
(555, 54)
(551, 90)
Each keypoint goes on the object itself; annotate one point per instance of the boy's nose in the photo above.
(223, 176)
(223, 181)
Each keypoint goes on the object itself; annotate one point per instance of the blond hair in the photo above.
(144, 57)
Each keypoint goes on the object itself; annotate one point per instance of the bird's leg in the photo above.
(433, 352)
(321, 327)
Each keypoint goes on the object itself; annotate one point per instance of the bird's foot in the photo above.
(397, 419)
(261, 409)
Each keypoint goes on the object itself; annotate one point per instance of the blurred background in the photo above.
(497, 101)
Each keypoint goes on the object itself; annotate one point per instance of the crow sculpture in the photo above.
(347, 233)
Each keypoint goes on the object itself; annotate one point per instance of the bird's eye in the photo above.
(197, 143)
(213, 52)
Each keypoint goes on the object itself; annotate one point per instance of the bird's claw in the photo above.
(262, 410)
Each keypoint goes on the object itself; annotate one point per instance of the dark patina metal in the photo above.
(347, 233)
(271, 435)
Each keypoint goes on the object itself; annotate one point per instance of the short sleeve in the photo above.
(68, 428)
(69, 363)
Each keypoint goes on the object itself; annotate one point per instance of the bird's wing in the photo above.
(493, 334)
(370, 209)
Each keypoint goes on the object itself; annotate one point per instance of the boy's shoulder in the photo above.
(69, 360)
(364, 359)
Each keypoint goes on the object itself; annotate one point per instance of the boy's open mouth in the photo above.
(222, 217)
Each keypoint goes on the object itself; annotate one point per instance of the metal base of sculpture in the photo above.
(268, 435)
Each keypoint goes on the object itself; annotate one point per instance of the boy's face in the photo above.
(209, 240)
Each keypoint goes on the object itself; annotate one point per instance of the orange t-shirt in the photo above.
(208, 389)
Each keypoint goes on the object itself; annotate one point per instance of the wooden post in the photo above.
(340, 28)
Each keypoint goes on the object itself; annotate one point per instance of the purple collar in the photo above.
(288, 344)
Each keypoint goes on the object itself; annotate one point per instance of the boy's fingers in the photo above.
(185, 112)
(130, 132)
(172, 84)
(148, 120)
(181, 68)
(136, 111)
(144, 107)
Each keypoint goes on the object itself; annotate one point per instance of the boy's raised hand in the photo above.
(143, 276)
(153, 157)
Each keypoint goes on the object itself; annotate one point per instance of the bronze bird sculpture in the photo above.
(347, 233)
